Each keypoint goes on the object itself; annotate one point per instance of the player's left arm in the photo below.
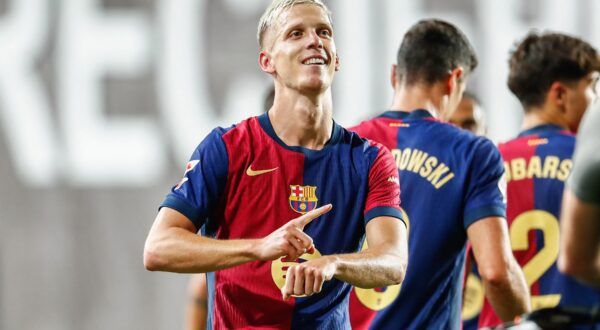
(384, 262)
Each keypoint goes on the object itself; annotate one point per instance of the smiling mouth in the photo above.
(314, 61)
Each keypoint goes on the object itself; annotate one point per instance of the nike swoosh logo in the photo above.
(251, 172)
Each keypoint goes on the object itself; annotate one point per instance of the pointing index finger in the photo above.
(310, 216)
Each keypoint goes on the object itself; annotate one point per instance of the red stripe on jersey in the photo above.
(384, 181)
(257, 301)
(379, 130)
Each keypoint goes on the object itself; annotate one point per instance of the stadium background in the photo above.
(101, 103)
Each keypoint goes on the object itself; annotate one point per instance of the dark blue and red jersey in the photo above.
(243, 182)
(537, 164)
(449, 178)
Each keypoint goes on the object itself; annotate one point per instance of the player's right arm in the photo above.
(173, 246)
(503, 280)
(484, 219)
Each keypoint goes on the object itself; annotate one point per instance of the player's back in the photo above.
(537, 164)
(449, 179)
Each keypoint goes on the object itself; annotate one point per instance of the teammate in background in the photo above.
(452, 190)
(469, 115)
(553, 76)
(580, 218)
(196, 307)
(256, 186)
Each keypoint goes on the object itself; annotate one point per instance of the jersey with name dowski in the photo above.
(449, 178)
(244, 182)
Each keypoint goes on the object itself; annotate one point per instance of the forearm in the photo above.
(508, 293)
(372, 267)
(178, 250)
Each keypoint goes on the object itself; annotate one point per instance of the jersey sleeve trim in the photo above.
(484, 212)
(181, 206)
(384, 211)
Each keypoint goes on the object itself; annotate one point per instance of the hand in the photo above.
(308, 277)
(289, 240)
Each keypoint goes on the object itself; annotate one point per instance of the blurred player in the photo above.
(553, 76)
(580, 219)
(452, 189)
(469, 115)
(256, 187)
(197, 307)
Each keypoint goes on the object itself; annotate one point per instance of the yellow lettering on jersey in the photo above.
(429, 164)
(404, 159)
(420, 162)
(518, 169)
(551, 167)
(444, 180)
(416, 160)
(565, 169)
(435, 176)
(534, 169)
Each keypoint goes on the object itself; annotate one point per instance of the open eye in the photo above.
(296, 34)
(325, 33)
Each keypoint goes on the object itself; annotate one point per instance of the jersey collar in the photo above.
(266, 125)
(542, 129)
(415, 114)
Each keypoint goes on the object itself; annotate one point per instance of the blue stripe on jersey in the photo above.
(198, 196)
(383, 212)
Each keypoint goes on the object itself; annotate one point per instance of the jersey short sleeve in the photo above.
(585, 176)
(204, 180)
(383, 198)
(486, 189)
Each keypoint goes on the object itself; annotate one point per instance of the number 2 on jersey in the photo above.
(543, 259)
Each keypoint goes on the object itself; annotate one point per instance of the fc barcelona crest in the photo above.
(303, 198)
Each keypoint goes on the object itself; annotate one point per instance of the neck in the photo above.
(418, 96)
(301, 120)
(536, 116)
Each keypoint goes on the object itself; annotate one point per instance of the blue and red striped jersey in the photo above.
(537, 164)
(244, 182)
(449, 178)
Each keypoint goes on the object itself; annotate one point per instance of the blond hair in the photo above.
(276, 8)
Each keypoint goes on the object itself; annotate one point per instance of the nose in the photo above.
(314, 40)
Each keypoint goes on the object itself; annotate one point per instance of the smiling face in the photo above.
(299, 50)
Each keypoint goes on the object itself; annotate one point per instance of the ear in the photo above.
(454, 78)
(557, 94)
(264, 60)
(394, 76)
(337, 63)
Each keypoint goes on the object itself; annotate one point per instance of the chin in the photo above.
(315, 86)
